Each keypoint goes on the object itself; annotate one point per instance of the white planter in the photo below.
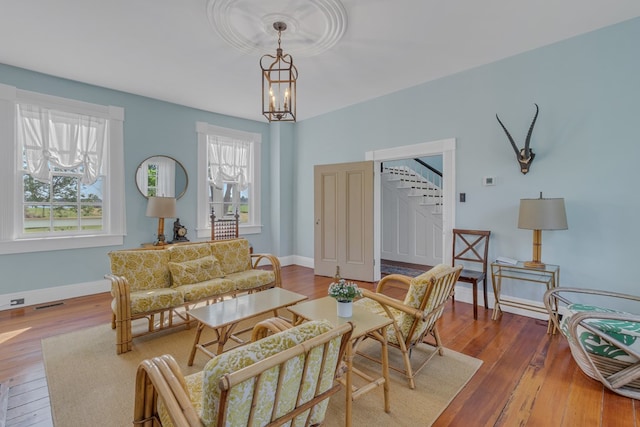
(345, 309)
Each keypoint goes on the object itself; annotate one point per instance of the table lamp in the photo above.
(161, 208)
(537, 215)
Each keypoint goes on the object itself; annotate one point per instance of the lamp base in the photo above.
(534, 264)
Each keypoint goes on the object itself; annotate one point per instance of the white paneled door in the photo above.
(343, 209)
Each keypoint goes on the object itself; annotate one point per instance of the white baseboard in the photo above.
(303, 261)
(57, 293)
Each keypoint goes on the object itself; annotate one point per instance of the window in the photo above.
(228, 177)
(68, 188)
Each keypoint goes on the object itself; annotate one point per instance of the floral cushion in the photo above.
(206, 289)
(195, 271)
(251, 279)
(204, 392)
(152, 300)
(187, 252)
(143, 269)
(623, 331)
(234, 254)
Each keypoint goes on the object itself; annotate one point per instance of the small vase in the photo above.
(345, 308)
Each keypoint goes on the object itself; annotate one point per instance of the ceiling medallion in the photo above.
(313, 26)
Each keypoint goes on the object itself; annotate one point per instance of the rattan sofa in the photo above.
(282, 379)
(160, 285)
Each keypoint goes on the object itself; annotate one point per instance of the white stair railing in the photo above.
(421, 181)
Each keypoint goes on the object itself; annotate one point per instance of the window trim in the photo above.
(11, 195)
(203, 129)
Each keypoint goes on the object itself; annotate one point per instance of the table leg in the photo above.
(497, 284)
(348, 385)
(195, 343)
(385, 370)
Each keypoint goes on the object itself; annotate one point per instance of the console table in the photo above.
(549, 276)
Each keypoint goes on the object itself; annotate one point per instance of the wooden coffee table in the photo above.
(365, 324)
(224, 316)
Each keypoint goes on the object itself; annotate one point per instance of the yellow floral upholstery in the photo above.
(182, 253)
(142, 269)
(195, 271)
(207, 289)
(154, 300)
(234, 255)
(204, 386)
(251, 279)
(185, 273)
(414, 296)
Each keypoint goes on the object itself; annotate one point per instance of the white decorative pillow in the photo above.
(195, 271)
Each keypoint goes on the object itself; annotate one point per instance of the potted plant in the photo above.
(344, 292)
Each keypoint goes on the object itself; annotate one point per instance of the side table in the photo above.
(549, 276)
(364, 324)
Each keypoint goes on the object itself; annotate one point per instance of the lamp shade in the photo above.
(161, 207)
(542, 214)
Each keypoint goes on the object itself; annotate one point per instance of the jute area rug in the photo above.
(90, 385)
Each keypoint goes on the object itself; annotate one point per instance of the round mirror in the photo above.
(161, 176)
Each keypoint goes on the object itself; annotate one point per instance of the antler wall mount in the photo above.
(524, 155)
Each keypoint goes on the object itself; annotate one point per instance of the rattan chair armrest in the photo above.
(161, 377)
(397, 279)
(555, 295)
(386, 301)
(272, 325)
(272, 260)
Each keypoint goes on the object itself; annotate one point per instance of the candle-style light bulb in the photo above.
(286, 96)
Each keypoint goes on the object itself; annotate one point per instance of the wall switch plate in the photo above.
(463, 197)
(489, 180)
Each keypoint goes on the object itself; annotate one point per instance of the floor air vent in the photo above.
(53, 304)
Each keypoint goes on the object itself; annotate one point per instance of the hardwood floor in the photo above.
(528, 378)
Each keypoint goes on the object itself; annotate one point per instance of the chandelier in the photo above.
(279, 77)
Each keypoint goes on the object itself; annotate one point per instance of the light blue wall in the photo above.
(151, 127)
(586, 142)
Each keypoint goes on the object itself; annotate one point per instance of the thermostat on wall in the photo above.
(489, 180)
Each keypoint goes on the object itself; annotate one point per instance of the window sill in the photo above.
(58, 243)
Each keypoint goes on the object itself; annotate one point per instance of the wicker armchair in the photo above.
(416, 316)
(603, 341)
(286, 376)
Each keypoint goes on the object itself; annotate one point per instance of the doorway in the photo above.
(411, 217)
(446, 148)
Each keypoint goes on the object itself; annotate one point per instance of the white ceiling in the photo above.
(170, 50)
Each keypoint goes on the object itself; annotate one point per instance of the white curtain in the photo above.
(228, 161)
(52, 138)
(142, 178)
(166, 180)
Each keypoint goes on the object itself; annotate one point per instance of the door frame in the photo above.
(446, 148)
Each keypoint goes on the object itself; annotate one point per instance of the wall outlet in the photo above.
(18, 301)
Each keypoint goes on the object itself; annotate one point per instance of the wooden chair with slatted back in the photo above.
(472, 246)
(224, 229)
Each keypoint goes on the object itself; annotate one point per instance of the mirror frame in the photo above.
(186, 175)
